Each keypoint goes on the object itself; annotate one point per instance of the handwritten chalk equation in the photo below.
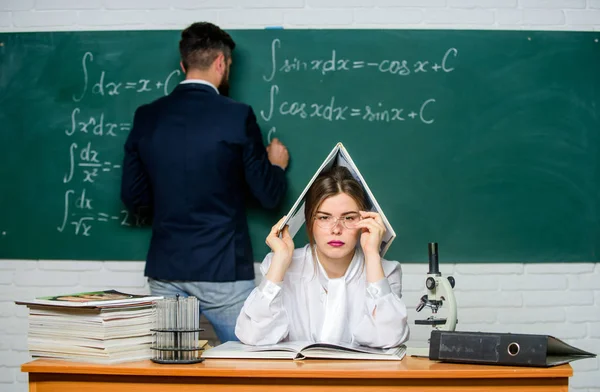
(96, 126)
(334, 63)
(333, 111)
(80, 215)
(104, 85)
(89, 161)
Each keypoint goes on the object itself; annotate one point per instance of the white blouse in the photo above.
(370, 314)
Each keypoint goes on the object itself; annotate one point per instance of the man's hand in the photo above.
(278, 154)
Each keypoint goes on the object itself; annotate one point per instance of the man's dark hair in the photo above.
(201, 43)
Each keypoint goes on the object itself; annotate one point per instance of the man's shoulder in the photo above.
(218, 102)
(217, 105)
(151, 107)
(232, 104)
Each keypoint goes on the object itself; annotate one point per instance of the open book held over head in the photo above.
(339, 156)
(303, 350)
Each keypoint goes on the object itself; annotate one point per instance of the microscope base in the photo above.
(431, 322)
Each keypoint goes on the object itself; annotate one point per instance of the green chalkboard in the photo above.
(486, 142)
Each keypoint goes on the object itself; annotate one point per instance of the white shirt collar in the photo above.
(337, 300)
(199, 81)
(354, 268)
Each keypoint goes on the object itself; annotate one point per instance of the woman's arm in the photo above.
(384, 323)
(263, 319)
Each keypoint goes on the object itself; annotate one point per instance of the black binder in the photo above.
(502, 349)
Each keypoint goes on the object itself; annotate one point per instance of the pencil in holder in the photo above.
(177, 331)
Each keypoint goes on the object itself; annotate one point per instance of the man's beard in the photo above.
(224, 85)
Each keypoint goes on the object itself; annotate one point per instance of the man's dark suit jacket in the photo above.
(190, 158)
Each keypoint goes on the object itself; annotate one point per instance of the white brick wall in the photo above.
(16, 5)
(42, 15)
(41, 5)
(530, 17)
(133, 4)
(560, 4)
(388, 16)
(558, 299)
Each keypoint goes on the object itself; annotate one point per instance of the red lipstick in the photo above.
(336, 244)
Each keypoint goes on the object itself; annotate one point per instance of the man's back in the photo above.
(201, 152)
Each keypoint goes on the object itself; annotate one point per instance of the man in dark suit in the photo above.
(189, 160)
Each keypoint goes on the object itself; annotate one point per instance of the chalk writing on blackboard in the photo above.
(87, 159)
(332, 110)
(333, 62)
(95, 125)
(108, 85)
(87, 167)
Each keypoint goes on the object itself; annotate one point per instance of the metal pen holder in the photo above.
(177, 330)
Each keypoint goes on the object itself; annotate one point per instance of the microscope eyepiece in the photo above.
(434, 267)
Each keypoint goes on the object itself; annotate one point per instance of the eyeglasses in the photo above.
(349, 221)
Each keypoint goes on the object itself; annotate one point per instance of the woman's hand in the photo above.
(372, 231)
(283, 249)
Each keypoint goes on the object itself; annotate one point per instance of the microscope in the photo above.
(439, 290)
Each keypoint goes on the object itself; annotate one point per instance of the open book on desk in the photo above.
(303, 350)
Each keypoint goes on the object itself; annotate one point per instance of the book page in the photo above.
(295, 217)
(345, 160)
(354, 348)
(92, 299)
(295, 221)
(321, 350)
(326, 354)
(239, 350)
(295, 346)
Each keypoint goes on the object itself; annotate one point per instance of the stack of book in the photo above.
(99, 327)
